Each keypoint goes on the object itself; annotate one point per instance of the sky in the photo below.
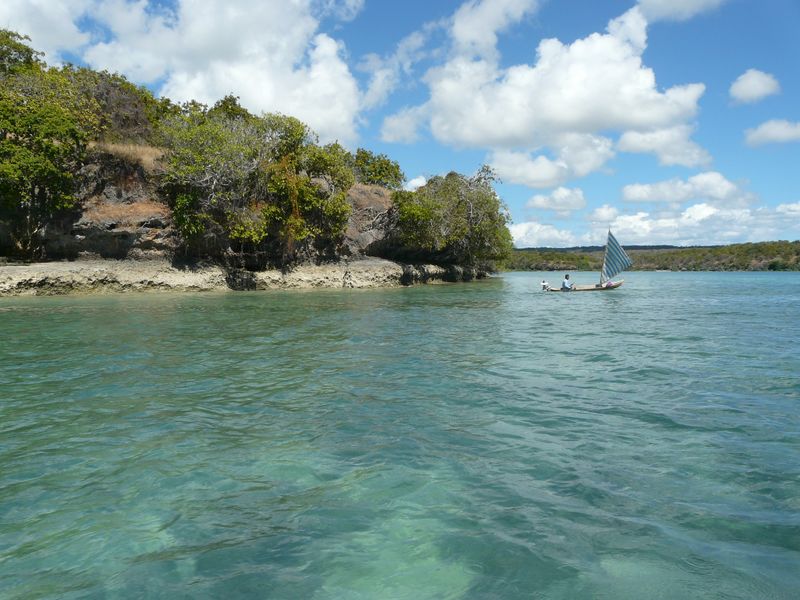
(668, 121)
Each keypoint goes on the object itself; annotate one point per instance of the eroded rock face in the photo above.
(121, 215)
(370, 218)
(110, 276)
(108, 178)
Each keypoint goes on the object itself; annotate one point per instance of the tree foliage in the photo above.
(41, 142)
(125, 112)
(259, 186)
(760, 256)
(15, 54)
(553, 260)
(230, 108)
(45, 123)
(377, 169)
(455, 219)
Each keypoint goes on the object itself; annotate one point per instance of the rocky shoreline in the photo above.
(114, 276)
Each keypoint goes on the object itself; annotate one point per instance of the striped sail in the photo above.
(615, 260)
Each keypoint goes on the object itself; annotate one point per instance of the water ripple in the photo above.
(459, 441)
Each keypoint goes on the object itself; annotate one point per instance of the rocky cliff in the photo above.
(103, 276)
(121, 237)
(121, 216)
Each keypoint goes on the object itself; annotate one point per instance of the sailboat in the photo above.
(615, 261)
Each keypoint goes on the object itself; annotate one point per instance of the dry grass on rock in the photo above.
(146, 156)
(125, 215)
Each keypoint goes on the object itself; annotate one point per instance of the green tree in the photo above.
(257, 185)
(15, 54)
(54, 87)
(45, 123)
(230, 108)
(455, 219)
(126, 112)
(210, 157)
(41, 144)
(377, 169)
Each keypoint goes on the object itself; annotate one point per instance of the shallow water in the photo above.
(482, 440)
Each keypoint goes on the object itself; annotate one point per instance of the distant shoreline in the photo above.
(116, 276)
(759, 256)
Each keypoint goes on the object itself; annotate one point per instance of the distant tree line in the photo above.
(761, 256)
(256, 188)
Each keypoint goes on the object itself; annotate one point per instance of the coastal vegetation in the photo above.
(259, 187)
(252, 191)
(44, 130)
(761, 256)
(454, 219)
(245, 190)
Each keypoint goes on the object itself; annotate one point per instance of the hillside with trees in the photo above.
(91, 163)
(761, 256)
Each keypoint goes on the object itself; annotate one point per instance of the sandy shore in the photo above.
(103, 276)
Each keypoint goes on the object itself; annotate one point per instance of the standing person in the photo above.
(566, 285)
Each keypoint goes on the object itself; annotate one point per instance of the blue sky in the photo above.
(670, 121)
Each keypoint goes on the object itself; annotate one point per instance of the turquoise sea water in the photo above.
(482, 440)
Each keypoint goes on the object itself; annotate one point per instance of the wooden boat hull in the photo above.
(592, 288)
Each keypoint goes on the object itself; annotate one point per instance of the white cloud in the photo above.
(672, 146)
(268, 53)
(532, 234)
(562, 200)
(701, 224)
(630, 28)
(386, 72)
(710, 186)
(753, 85)
(477, 23)
(700, 212)
(519, 167)
(474, 28)
(790, 210)
(577, 155)
(403, 126)
(50, 25)
(582, 153)
(538, 117)
(344, 10)
(676, 10)
(415, 183)
(776, 131)
(604, 214)
(596, 83)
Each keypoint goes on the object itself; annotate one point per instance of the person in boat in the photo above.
(545, 285)
(566, 285)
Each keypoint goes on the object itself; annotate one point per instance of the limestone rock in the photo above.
(120, 215)
(103, 276)
(369, 219)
